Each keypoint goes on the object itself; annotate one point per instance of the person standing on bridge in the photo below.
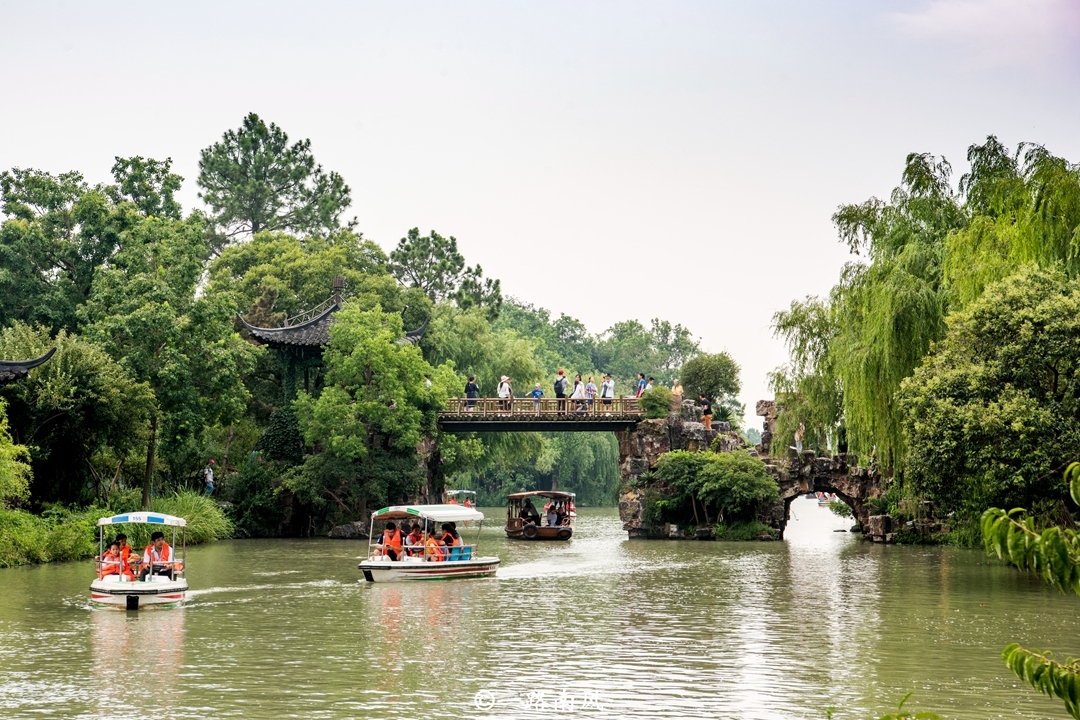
(560, 390)
(590, 392)
(537, 393)
(472, 391)
(607, 391)
(506, 394)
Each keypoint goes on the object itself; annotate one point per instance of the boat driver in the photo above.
(528, 513)
(158, 557)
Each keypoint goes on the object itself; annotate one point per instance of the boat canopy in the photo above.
(436, 513)
(461, 492)
(550, 494)
(144, 517)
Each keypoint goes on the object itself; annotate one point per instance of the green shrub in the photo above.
(60, 533)
(657, 402)
(734, 484)
(744, 530)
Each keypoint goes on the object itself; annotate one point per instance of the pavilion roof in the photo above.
(311, 333)
(12, 370)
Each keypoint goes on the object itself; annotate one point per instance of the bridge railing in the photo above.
(477, 408)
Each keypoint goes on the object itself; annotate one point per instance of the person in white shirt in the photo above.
(506, 393)
(158, 557)
(607, 390)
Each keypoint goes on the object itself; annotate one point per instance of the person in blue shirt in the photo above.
(640, 384)
(537, 393)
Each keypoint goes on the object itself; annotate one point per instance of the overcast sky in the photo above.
(609, 160)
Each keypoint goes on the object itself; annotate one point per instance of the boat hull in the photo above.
(392, 571)
(114, 592)
(562, 533)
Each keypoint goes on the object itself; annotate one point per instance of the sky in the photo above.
(607, 160)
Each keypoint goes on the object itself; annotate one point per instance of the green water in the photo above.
(600, 627)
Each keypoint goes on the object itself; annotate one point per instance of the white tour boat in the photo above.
(119, 582)
(424, 560)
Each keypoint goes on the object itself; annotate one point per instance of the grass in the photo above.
(60, 533)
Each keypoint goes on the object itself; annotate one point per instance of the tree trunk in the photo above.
(697, 522)
(150, 449)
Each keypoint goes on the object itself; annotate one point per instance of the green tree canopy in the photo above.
(145, 310)
(15, 470)
(371, 414)
(81, 413)
(254, 180)
(433, 264)
(993, 408)
(714, 375)
(148, 184)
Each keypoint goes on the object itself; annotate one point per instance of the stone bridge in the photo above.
(796, 473)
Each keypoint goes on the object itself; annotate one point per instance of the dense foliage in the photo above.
(927, 251)
(724, 486)
(995, 404)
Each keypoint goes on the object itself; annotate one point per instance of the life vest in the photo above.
(165, 557)
(393, 542)
(417, 547)
(435, 550)
(452, 501)
(450, 541)
(468, 503)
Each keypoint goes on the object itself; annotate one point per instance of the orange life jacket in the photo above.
(165, 557)
(435, 550)
(393, 542)
(452, 501)
(468, 503)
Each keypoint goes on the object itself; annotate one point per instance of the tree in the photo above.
(148, 184)
(994, 406)
(253, 180)
(716, 376)
(371, 413)
(81, 414)
(58, 233)
(14, 465)
(145, 310)
(433, 264)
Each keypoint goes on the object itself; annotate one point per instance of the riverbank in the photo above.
(60, 533)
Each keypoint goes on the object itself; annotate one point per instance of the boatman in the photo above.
(390, 541)
(158, 557)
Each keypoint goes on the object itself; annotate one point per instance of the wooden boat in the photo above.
(116, 584)
(520, 526)
(462, 561)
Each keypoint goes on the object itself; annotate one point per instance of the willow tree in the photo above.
(882, 317)
(1024, 208)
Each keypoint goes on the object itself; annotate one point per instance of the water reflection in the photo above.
(136, 660)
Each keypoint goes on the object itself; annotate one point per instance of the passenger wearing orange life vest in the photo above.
(452, 501)
(414, 541)
(434, 549)
(390, 542)
(158, 557)
(468, 503)
(114, 563)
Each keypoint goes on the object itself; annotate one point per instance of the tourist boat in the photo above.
(518, 528)
(460, 562)
(467, 498)
(114, 587)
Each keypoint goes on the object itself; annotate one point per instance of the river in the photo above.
(600, 627)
